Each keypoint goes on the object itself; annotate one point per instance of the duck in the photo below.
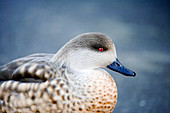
(71, 81)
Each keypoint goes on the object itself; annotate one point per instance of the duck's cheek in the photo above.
(107, 59)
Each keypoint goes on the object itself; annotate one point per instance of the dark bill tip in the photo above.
(134, 74)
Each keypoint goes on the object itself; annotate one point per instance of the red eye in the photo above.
(101, 49)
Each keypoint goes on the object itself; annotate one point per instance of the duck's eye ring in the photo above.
(101, 49)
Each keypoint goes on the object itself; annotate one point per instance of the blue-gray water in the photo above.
(139, 29)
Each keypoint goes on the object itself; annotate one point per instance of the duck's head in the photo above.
(91, 51)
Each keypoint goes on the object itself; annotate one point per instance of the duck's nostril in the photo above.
(117, 64)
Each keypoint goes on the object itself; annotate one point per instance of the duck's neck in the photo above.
(89, 79)
(76, 73)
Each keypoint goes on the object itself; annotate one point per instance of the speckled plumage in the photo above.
(61, 82)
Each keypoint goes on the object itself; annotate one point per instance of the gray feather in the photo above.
(10, 71)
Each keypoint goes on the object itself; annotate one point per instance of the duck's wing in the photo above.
(32, 68)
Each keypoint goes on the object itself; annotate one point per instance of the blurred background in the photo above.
(140, 30)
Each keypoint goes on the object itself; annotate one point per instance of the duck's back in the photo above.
(7, 70)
